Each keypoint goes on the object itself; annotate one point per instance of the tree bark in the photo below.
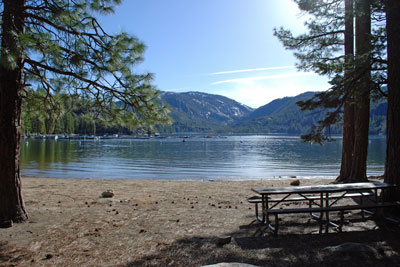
(362, 96)
(348, 111)
(392, 164)
(12, 208)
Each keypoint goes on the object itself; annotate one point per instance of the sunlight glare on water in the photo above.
(198, 158)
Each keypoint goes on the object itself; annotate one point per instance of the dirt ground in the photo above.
(179, 223)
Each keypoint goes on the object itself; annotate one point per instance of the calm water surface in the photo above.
(198, 158)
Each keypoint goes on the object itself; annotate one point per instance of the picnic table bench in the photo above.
(257, 200)
(321, 199)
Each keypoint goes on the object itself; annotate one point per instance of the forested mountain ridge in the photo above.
(281, 116)
(284, 116)
(202, 112)
(280, 105)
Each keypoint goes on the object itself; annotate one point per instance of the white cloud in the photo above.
(266, 77)
(258, 92)
(182, 89)
(251, 70)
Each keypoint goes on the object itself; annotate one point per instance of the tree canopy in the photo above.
(66, 50)
(321, 49)
(347, 41)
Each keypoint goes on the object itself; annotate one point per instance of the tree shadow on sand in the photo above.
(12, 256)
(377, 247)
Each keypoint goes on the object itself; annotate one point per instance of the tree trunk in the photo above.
(362, 96)
(348, 111)
(392, 164)
(347, 143)
(12, 208)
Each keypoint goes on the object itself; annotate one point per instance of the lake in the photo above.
(196, 158)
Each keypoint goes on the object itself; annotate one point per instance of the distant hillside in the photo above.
(284, 116)
(279, 106)
(377, 122)
(281, 116)
(201, 112)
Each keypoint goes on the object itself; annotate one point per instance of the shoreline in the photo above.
(278, 178)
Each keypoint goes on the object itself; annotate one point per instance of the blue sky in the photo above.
(222, 47)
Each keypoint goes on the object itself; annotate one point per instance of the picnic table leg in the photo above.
(310, 206)
(376, 200)
(263, 208)
(327, 213)
(321, 215)
(266, 215)
(362, 210)
(257, 211)
(341, 220)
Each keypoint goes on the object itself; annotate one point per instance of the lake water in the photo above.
(197, 158)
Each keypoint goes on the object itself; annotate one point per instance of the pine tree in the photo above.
(58, 46)
(348, 107)
(11, 75)
(362, 94)
(392, 165)
(321, 50)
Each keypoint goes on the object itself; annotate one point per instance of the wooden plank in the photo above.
(296, 210)
(334, 208)
(330, 188)
(257, 199)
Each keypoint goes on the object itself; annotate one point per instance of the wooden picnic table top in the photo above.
(329, 188)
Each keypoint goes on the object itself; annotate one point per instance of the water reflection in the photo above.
(233, 157)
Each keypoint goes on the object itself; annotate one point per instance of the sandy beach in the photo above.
(174, 223)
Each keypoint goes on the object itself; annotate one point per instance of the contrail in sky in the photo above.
(287, 75)
(249, 70)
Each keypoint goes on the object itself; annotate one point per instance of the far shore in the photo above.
(278, 179)
(170, 223)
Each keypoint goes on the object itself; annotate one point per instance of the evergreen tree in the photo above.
(321, 50)
(11, 75)
(392, 165)
(363, 91)
(59, 45)
(348, 107)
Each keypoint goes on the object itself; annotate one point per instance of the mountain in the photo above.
(281, 116)
(279, 106)
(202, 112)
(377, 123)
(284, 116)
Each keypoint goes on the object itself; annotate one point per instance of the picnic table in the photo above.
(322, 199)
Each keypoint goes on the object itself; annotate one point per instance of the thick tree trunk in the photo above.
(12, 207)
(392, 166)
(348, 111)
(359, 163)
(347, 143)
(362, 97)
